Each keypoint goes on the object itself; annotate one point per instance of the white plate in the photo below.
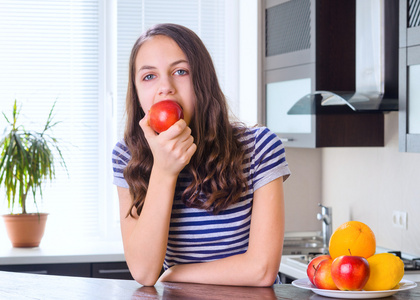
(304, 283)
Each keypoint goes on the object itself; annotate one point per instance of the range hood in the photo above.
(376, 70)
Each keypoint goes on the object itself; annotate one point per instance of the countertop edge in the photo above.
(86, 252)
(89, 258)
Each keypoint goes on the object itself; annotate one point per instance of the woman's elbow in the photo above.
(268, 280)
(144, 278)
(266, 275)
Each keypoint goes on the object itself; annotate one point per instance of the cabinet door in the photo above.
(289, 69)
(409, 76)
(114, 270)
(289, 35)
(283, 89)
(414, 97)
(410, 135)
(72, 269)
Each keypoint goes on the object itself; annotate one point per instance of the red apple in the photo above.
(350, 273)
(164, 114)
(313, 264)
(322, 276)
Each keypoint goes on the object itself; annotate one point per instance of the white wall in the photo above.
(302, 190)
(363, 184)
(367, 184)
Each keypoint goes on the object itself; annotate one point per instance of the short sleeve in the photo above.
(120, 158)
(269, 159)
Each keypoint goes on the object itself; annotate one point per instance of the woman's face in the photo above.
(163, 73)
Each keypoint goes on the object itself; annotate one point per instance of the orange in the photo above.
(352, 238)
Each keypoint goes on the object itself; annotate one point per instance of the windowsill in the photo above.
(62, 252)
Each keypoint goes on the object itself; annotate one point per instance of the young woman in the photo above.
(203, 199)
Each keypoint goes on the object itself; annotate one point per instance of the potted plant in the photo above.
(26, 162)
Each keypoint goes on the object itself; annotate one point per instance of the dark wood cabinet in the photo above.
(112, 270)
(73, 269)
(308, 46)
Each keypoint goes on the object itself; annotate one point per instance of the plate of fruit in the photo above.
(304, 283)
(352, 269)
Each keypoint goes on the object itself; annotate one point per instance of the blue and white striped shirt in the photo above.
(196, 235)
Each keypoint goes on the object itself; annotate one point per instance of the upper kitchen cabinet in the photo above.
(409, 87)
(321, 86)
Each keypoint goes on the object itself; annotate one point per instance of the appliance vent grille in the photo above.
(288, 27)
(413, 13)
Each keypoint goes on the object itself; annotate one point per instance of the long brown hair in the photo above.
(216, 166)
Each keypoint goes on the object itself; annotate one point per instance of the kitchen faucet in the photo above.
(326, 217)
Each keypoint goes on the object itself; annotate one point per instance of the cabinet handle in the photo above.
(286, 139)
(36, 272)
(101, 271)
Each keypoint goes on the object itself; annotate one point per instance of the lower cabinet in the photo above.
(284, 278)
(113, 270)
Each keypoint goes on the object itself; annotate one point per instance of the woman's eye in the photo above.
(181, 72)
(148, 77)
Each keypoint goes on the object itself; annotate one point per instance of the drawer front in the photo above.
(77, 269)
(114, 270)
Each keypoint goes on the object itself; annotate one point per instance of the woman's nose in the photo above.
(166, 87)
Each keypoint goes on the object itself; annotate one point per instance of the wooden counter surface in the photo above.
(31, 286)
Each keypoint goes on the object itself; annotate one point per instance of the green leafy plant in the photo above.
(27, 159)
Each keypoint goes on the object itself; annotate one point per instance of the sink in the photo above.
(304, 250)
(303, 243)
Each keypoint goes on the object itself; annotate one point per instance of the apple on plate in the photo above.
(322, 277)
(313, 264)
(350, 273)
(164, 114)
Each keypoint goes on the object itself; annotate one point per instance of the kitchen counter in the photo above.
(31, 286)
(53, 253)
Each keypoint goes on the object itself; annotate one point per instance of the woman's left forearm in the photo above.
(259, 265)
(242, 269)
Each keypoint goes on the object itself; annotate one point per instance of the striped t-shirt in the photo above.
(196, 235)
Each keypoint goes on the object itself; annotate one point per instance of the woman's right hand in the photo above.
(172, 149)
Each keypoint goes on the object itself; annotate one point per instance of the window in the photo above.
(76, 53)
(212, 20)
(51, 51)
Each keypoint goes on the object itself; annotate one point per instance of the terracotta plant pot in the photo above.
(25, 230)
